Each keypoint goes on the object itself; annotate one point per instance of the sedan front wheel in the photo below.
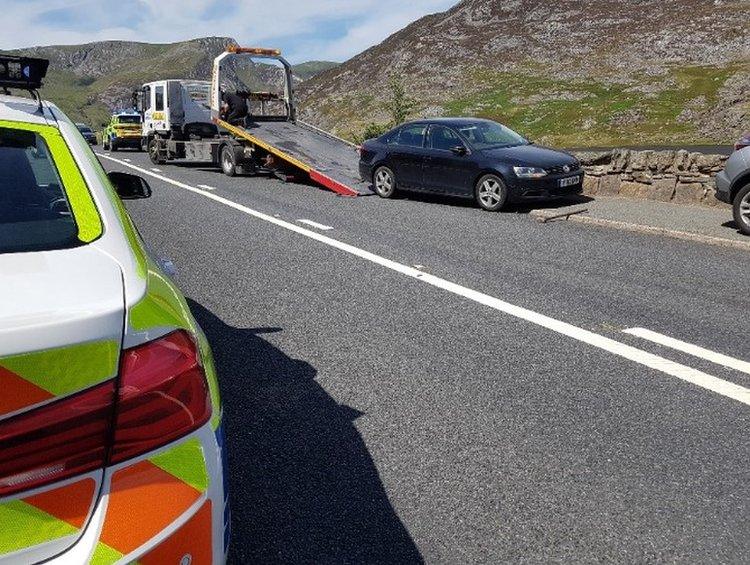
(491, 193)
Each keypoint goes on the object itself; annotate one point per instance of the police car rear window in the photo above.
(34, 212)
(128, 119)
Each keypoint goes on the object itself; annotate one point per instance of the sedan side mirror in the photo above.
(130, 187)
(459, 150)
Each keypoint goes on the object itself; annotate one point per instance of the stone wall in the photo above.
(667, 176)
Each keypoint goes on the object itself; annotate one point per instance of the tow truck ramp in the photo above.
(328, 160)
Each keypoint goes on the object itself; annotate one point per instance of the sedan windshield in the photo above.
(484, 135)
(34, 211)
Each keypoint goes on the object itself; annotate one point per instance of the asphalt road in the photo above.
(376, 414)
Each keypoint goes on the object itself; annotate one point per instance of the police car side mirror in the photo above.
(130, 187)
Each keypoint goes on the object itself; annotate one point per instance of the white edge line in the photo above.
(206, 187)
(315, 225)
(677, 370)
(690, 349)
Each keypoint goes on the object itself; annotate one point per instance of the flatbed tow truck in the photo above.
(182, 120)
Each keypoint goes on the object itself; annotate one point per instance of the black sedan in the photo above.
(87, 133)
(469, 157)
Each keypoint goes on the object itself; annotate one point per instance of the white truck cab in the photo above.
(176, 109)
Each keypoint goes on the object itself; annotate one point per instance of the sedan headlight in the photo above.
(529, 172)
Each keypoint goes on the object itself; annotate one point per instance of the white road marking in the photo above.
(677, 370)
(124, 159)
(155, 170)
(690, 349)
(315, 225)
(206, 187)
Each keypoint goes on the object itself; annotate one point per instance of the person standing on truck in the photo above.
(233, 108)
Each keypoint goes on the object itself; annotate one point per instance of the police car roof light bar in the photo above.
(24, 73)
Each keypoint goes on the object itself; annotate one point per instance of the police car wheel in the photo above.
(742, 209)
(228, 166)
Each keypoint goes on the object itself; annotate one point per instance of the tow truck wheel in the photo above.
(228, 165)
(384, 182)
(154, 154)
(742, 210)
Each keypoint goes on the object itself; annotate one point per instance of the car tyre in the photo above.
(741, 209)
(491, 193)
(154, 153)
(384, 182)
(227, 160)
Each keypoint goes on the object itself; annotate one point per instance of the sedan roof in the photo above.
(455, 122)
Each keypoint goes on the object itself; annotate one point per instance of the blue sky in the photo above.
(304, 29)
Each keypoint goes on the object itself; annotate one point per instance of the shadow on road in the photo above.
(304, 488)
(511, 208)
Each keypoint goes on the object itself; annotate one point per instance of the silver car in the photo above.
(733, 187)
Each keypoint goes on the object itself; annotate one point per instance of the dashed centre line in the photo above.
(644, 358)
(206, 187)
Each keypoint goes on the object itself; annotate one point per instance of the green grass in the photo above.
(592, 118)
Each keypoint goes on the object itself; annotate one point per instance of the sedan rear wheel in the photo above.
(742, 210)
(491, 193)
(385, 182)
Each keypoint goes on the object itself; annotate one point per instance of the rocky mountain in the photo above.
(90, 81)
(573, 72)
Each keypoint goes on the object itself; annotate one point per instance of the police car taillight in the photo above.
(163, 395)
(22, 72)
(56, 441)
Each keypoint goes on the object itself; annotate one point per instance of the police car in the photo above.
(110, 417)
(123, 130)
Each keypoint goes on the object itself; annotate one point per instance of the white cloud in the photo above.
(304, 29)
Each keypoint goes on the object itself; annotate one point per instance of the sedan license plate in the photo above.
(570, 181)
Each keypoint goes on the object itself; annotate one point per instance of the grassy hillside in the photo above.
(568, 72)
(590, 113)
(308, 70)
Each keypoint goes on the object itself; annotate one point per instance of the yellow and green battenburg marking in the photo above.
(25, 526)
(49, 516)
(81, 203)
(32, 378)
